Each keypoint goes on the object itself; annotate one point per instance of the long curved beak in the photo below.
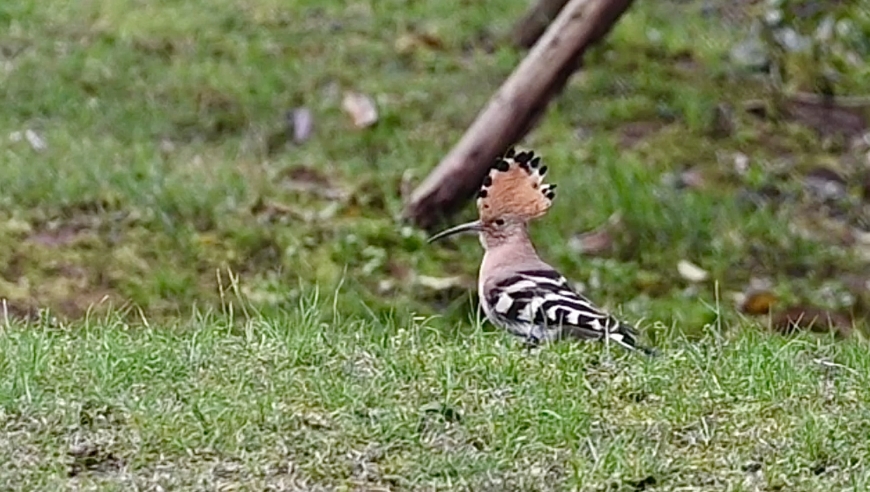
(467, 227)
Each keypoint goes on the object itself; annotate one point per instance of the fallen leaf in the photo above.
(741, 163)
(361, 108)
(17, 226)
(441, 291)
(757, 303)
(301, 123)
(412, 41)
(757, 298)
(385, 286)
(751, 53)
(36, 142)
(825, 183)
(692, 179)
(166, 147)
(442, 283)
(691, 272)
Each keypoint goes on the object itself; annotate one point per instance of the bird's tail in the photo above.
(626, 336)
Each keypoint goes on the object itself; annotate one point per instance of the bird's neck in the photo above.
(502, 252)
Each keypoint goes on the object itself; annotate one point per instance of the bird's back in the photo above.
(532, 300)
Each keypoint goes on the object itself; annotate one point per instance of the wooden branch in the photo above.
(529, 29)
(514, 108)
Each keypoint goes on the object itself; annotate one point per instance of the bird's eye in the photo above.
(499, 222)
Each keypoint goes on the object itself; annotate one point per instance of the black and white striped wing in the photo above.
(543, 299)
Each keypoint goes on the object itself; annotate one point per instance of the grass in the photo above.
(166, 166)
(311, 400)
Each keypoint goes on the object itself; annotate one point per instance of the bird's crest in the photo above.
(515, 186)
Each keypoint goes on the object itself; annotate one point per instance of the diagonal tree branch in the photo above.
(514, 108)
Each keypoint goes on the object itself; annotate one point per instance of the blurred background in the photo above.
(712, 157)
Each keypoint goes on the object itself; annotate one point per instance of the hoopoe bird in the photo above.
(518, 291)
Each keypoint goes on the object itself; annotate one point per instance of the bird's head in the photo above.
(512, 194)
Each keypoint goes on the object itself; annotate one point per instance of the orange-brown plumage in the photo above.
(515, 188)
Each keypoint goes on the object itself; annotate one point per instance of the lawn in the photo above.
(193, 300)
(316, 401)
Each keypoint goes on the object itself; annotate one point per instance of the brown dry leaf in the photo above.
(813, 319)
(361, 108)
(691, 271)
(410, 42)
(757, 298)
(598, 241)
(758, 303)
